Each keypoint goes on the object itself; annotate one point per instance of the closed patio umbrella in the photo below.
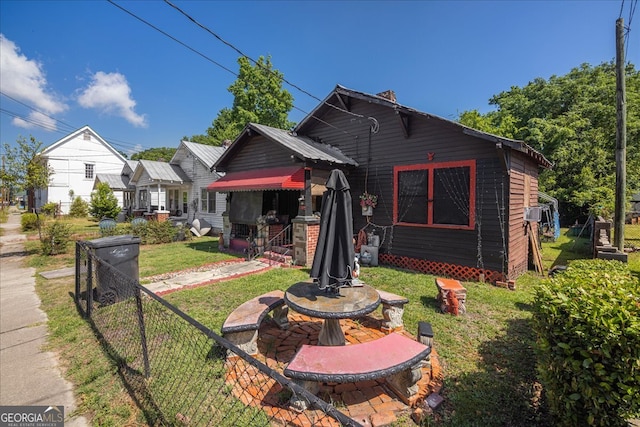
(334, 257)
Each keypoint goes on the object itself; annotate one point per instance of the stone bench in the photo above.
(392, 310)
(452, 296)
(395, 357)
(241, 326)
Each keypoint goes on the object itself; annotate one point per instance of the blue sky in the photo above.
(90, 63)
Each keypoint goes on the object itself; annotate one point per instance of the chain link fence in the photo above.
(178, 371)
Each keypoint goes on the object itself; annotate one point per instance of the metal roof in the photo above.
(116, 182)
(163, 171)
(304, 147)
(208, 154)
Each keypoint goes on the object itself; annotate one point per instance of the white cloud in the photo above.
(24, 79)
(110, 93)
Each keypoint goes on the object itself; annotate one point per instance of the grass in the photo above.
(487, 354)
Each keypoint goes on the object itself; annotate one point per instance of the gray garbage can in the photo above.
(121, 252)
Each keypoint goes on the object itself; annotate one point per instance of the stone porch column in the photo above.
(305, 239)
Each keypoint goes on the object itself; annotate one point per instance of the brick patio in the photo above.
(372, 403)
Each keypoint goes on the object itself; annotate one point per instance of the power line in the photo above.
(120, 144)
(36, 110)
(173, 38)
(375, 126)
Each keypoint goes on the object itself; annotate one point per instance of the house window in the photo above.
(207, 201)
(88, 170)
(435, 195)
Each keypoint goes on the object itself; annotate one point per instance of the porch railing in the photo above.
(278, 248)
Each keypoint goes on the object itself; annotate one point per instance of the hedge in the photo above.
(587, 321)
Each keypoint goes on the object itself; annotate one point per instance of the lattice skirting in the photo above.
(454, 271)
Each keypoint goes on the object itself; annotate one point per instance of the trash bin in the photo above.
(121, 252)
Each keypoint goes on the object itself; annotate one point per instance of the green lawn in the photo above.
(487, 354)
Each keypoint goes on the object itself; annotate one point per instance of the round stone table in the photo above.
(351, 302)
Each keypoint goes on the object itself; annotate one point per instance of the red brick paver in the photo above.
(369, 402)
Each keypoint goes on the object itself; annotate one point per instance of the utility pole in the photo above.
(621, 139)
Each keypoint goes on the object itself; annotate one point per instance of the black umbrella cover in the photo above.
(334, 258)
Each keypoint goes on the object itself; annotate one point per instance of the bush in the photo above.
(49, 209)
(104, 203)
(588, 324)
(160, 232)
(79, 208)
(155, 232)
(55, 238)
(29, 221)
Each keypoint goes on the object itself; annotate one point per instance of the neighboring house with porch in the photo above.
(75, 161)
(178, 188)
(451, 200)
(121, 187)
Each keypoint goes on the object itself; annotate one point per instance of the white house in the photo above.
(197, 160)
(179, 188)
(75, 160)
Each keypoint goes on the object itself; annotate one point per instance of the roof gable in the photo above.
(340, 97)
(302, 147)
(206, 154)
(72, 136)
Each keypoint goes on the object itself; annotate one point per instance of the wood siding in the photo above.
(260, 153)
(485, 246)
(523, 187)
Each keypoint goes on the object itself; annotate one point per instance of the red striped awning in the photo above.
(283, 178)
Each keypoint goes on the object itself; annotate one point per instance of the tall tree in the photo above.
(25, 168)
(159, 154)
(258, 98)
(571, 119)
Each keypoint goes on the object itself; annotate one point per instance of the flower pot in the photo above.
(367, 211)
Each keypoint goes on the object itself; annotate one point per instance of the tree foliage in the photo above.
(159, 154)
(571, 119)
(258, 98)
(25, 168)
(104, 203)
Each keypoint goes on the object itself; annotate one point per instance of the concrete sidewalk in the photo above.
(30, 376)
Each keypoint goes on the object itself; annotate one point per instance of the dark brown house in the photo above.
(450, 200)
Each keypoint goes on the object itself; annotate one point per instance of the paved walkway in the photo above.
(30, 375)
(215, 273)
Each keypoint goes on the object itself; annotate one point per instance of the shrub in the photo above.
(29, 221)
(588, 324)
(79, 208)
(104, 203)
(55, 238)
(139, 228)
(159, 232)
(49, 209)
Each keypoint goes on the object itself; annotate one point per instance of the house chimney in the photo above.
(388, 94)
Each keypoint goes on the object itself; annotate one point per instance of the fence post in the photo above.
(89, 284)
(76, 297)
(143, 335)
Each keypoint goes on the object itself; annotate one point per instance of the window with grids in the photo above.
(207, 201)
(88, 170)
(435, 195)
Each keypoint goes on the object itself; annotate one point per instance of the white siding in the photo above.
(202, 177)
(68, 158)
